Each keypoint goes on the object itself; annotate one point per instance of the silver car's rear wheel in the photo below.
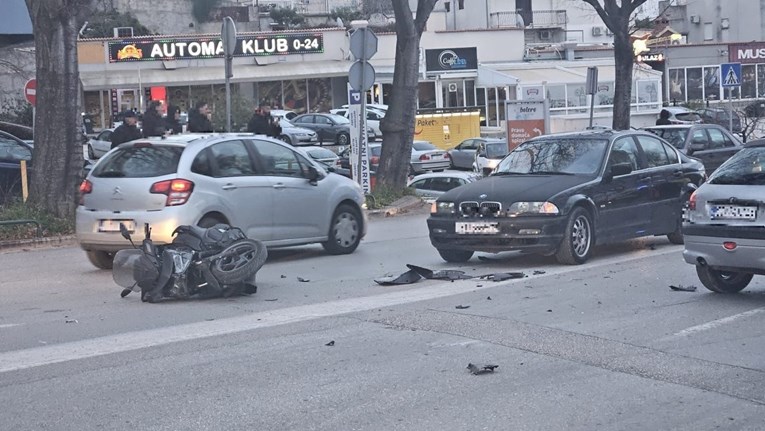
(723, 281)
(100, 259)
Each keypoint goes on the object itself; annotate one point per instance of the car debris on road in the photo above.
(481, 369)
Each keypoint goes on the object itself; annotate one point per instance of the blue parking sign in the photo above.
(731, 74)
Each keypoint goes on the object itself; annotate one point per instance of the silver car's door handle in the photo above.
(229, 187)
(279, 186)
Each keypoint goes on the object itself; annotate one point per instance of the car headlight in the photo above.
(442, 208)
(532, 208)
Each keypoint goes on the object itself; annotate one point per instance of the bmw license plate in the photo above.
(732, 212)
(476, 228)
(114, 225)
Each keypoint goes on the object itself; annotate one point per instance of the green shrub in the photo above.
(383, 196)
(17, 210)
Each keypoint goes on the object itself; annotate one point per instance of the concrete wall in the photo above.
(745, 20)
(161, 16)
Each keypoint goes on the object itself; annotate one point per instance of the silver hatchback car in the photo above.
(262, 185)
(725, 230)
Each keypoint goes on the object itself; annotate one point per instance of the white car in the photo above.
(433, 184)
(259, 184)
(295, 135)
(374, 117)
(100, 145)
(488, 155)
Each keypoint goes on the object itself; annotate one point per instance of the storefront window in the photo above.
(605, 95)
(556, 94)
(270, 93)
(648, 91)
(761, 80)
(481, 102)
(320, 95)
(295, 95)
(426, 95)
(469, 92)
(491, 107)
(387, 90)
(576, 95)
(501, 97)
(712, 83)
(695, 83)
(748, 81)
(677, 85)
(453, 95)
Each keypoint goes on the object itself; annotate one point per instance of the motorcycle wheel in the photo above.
(239, 261)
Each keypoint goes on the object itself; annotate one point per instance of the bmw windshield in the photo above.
(555, 156)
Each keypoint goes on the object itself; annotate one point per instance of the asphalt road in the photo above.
(606, 345)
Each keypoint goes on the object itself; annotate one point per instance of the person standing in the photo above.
(173, 120)
(128, 130)
(262, 123)
(663, 118)
(153, 125)
(199, 118)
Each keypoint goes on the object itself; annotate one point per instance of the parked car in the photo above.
(377, 106)
(428, 157)
(374, 117)
(463, 155)
(488, 156)
(321, 154)
(562, 194)
(100, 145)
(726, 216)
(295, 135)
(283, 114)
(259, 184)
(681, 115)
(709, 143)
(328, 127)
(433, 184)
(12, 151)
(344, 157)
(720, 117)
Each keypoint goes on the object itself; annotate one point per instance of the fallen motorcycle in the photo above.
(198, 263)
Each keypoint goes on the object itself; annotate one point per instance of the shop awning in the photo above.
(488, 77)
(184, 74)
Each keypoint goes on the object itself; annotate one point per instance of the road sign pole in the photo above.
(363, 120)
(228, 36)
(730, 110)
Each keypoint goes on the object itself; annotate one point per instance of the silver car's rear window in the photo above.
(688, 116)
(139, 161)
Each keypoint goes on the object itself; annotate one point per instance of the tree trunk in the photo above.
(398, 124)
(623, 78)
(57, 155)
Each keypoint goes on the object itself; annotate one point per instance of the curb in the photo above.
(44, 242)
(402, 206)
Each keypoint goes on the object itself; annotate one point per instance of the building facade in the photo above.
(716, 21)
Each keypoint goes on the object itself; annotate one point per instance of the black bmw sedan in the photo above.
(562, 194)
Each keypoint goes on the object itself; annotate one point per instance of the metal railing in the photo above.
(17, 222)
(307, 7)
(532, 19)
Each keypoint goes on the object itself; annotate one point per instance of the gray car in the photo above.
(271, 191)
(463, 155)
(725, 228)
(295, 135)
(710, 143)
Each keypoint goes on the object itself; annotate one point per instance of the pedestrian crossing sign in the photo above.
(731, 74)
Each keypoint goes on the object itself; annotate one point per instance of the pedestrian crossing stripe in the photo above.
(731, 79)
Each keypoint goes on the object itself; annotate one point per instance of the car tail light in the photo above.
(85, 188)
(730, 245)
(177, 191)
(692, 202)
(424, 157)
(447, 156)
(374, 160)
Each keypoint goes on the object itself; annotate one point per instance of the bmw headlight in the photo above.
(442, 208)
(532, 208)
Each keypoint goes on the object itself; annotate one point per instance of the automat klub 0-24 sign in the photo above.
(189, 48)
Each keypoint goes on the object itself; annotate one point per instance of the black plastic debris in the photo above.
(408, 277)
(272, 299)
(330, 344)
(303, 280)
(502, 276)
(682, 288)
(71, 321)
(481, 369)
(539, 272)
(283, 276)
(462, 307)
(488, 298)
(447, 274)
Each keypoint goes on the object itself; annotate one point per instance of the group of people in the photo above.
(153, 124)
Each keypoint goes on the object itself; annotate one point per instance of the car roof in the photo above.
(677, 109)
(593, 134)
(755, 143)
(449, 174)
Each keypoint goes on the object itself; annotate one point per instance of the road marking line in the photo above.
(715, 323)
(9, 325)
(118, 343)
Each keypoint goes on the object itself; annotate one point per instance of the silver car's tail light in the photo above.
(177, 191)
(85, 188)
(692, 202)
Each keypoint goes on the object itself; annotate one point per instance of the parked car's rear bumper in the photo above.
(704, 245)
(162, 223)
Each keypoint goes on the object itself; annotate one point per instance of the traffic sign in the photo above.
(363, 43)
(30, 91)
(731, 74)
(228, 36)
(361, 76)
(526, 119)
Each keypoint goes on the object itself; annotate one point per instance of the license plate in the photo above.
(114, 225)
(476, 228)
(732, 212)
